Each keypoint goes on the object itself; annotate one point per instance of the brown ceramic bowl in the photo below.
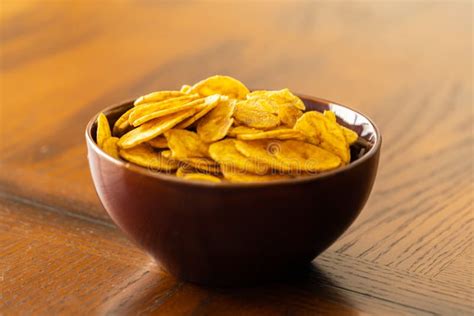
(232, 233)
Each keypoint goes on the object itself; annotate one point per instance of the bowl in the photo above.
(236, 233)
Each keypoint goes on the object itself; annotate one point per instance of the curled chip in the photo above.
(210, 103)
(186, 144)
(223, 85)
(289, 114)
(324, 132)
(153, 128)
(148, 108)
(103, 130)
(157, 97)
(138, 119)
(283, 133)
(159, 142)
(143, 155)
(110, 147)
(237, 175)
(234, 131)
(226, 154)
(215, 125)
(301, 156)
(252, 114)
(122, 125)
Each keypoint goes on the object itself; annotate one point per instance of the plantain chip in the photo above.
(148, 108)
(289, 114)
(283, 133)
(330, 115)
(122, 125)
(159, 142)
(226, 154)
(201, 177)
(223, 85)
(157, 97)
(252, 114)
(236, 175)
(264, 152)
(319, 130)
(144, 155)
(103, 130)
(186, 144)
(153, 128)
(215, 125)
(238, 130)
(279, 97)
(301, 156)
(138, 119)
(350, 136)
(210, 103)
(110, 147)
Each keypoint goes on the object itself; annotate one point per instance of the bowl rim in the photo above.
(197, 183)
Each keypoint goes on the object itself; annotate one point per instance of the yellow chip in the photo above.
(223, 85)
(159, 142)
(122, 125)
(215, 125)
(186, 144)
(138, 120)
(289, 114)
(319, 130)
(201, 177)
(283, 133)
(234, 131)
(301, 156)
(263, 151)
(153, 128)
(103, 130)
(144, 155)
(148, 108)
(283, 96)
(350, 135)
(251, 114)
(330, 115)
(157, 97)
(237, 175)
(210, 103)
(226, 154)
(110, 147)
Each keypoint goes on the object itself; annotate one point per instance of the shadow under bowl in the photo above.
(236, 233)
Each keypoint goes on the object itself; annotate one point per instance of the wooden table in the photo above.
(406, 65)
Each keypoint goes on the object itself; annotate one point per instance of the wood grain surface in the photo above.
(408, 65)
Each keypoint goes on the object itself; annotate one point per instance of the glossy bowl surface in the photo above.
(236, 233)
